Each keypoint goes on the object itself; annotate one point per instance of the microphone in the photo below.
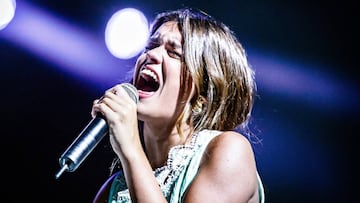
(87, 140)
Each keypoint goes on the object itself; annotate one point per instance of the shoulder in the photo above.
(230, 145)
(229, 160)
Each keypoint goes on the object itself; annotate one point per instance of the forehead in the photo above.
(169, 30)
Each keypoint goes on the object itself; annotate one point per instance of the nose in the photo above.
(154, 55)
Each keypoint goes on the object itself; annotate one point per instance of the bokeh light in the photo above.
(126, 33)
(7, 12)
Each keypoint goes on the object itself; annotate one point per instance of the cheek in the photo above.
(173, 89)
(172, 92)
(173, 80)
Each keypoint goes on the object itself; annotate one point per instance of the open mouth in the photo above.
(148, 81)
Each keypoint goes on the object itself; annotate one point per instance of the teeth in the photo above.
(149, 73)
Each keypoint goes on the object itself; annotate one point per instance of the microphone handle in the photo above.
(83, 145)
(89, 138)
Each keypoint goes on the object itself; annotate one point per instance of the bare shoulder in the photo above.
(228, 167)
(230, 154)
(230, 145)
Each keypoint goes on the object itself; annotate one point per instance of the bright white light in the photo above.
(126, 33)
(7, 12)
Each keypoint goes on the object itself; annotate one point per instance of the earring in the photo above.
(198, 105)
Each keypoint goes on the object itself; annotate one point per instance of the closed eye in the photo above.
(151, 45)
(153, 42)
(174, 50)
(174, 54)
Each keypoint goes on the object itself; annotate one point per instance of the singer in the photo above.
(187, 138)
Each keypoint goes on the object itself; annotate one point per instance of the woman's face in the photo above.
(157, 75)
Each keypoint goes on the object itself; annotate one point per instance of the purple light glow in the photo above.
(303, 83)
(87, 57)
(62, 44)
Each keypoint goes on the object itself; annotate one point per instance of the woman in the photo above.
(180, 142)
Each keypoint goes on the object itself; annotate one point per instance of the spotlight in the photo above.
(126, 33)
(7, 12)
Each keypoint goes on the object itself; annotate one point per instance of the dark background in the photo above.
(308, 138)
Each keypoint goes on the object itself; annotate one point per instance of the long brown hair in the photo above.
(216, 62)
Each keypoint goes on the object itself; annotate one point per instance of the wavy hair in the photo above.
(216, 62)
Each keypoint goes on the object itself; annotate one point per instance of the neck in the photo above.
(158, 142)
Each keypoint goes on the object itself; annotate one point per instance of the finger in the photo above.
(96, 101)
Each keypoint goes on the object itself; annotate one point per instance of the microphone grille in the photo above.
(131, 90)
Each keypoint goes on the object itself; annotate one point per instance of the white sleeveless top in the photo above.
(175, 177)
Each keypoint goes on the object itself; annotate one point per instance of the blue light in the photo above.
(64, 45)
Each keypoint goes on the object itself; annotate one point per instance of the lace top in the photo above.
(174, 177)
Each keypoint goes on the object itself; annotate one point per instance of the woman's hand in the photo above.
(120, 112)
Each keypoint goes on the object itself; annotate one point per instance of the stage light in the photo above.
(7, 12)
(68, 47)
(126, 33)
